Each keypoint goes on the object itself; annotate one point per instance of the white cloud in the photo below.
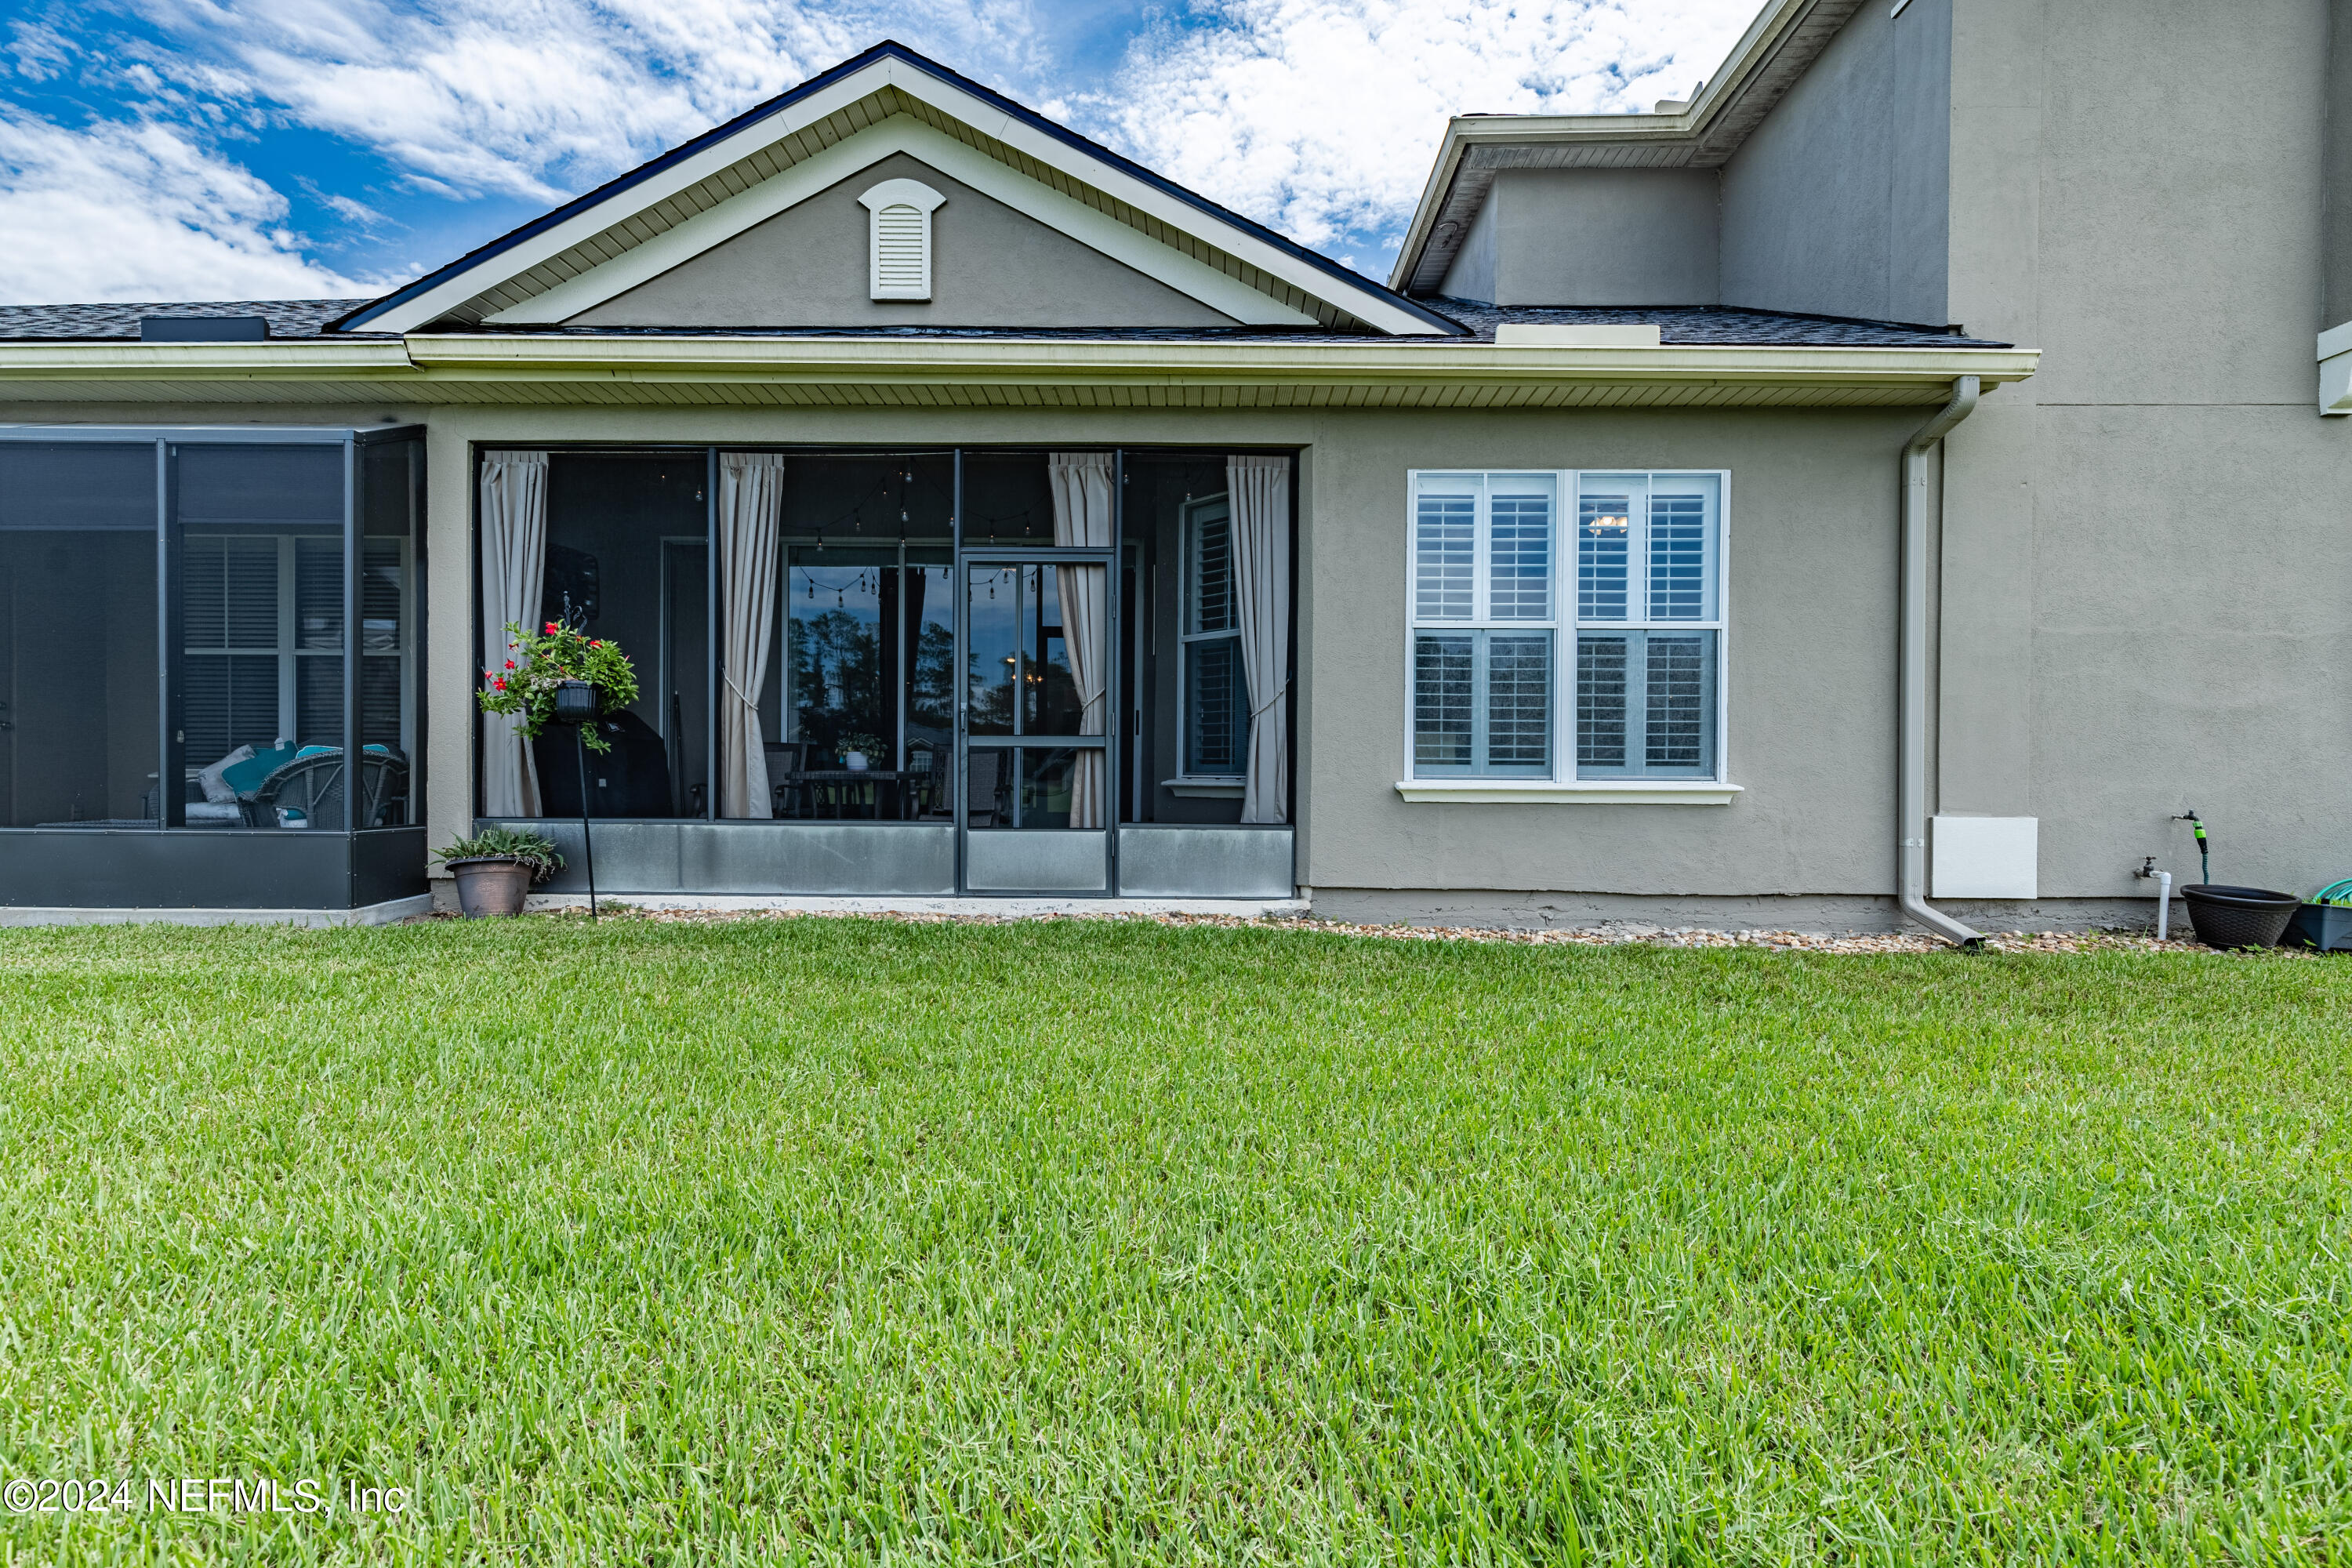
(138, 211)
(1321, 117)
(540, 98)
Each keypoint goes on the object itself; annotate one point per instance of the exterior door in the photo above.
(1038, 753)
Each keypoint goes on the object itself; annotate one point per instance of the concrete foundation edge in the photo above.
(385, 913)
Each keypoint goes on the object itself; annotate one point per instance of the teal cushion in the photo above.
(246, 776)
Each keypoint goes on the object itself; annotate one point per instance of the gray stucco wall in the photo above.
(2146, 582)
(1604, 237)
(991, 266)
(1836, 205)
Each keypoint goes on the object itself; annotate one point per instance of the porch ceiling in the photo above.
(472, 368)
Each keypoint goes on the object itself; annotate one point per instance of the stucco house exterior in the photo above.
(1891, 484)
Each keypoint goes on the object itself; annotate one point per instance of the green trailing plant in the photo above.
(539, 661)
(520, 845)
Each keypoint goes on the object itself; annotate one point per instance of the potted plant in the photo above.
(859, 752)
(496, 867)
(545, 659)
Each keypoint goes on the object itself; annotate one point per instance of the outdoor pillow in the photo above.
(246, 776)
(216, 789)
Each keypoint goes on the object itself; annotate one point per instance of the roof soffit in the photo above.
(1777, 49)
(815, 120)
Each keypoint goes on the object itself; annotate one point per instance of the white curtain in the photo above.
(514, 564)
(1083, 493)
(1260, 493)
(751, 521)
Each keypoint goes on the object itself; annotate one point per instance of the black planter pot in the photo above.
(2225, 916)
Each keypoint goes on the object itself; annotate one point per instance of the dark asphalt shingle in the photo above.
(1678, 325)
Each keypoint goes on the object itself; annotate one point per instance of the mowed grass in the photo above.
(854, 1241)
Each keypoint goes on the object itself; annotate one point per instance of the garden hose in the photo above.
(2334, 893)
(2204, 850)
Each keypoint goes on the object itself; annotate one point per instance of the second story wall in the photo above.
(1835, 204)
(1591, 237)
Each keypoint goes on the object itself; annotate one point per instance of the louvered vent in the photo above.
(900, 223)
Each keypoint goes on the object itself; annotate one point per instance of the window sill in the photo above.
(1203, 789)
(1581, 792)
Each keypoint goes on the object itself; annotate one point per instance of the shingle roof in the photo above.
(1716, 325)
(1692, 325)
(287, 318)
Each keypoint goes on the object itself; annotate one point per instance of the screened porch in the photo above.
(936, 672)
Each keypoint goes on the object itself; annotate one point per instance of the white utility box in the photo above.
(1985, 857)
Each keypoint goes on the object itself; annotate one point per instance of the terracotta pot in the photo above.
(490, 887)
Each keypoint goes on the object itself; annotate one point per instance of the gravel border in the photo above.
(1600, 936)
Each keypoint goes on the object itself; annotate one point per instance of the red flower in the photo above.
(551, 629)
(511, 664)
(593, 643)
(501, 683)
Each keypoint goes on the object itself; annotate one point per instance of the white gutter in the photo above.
(1911, 763)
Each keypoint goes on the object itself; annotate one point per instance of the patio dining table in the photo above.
(837, 784)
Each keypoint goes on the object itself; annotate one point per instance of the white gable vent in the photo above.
(899, 220)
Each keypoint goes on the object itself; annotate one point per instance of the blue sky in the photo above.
(220, 149)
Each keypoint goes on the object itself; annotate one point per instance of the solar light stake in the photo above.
(575, 704)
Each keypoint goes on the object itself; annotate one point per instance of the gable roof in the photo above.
(647, 219)
(1778, 47)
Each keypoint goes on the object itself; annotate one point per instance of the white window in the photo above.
(1552, 661)
(1484, 625)
(898, 223)
(1649, 625)
(1216, 690)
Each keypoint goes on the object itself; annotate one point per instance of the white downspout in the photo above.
(1911, 763)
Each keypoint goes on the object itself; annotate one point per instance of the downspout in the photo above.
(1911, 765)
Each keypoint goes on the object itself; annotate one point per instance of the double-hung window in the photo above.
(1566, 627)
(1484, 625)
(1649, 620)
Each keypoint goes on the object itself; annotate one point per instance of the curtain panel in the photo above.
(514, 565)
(1259, 488)
(1084, 491)
(750, 529)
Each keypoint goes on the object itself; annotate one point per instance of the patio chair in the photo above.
(985, 777)
(921, 794)
(789, 792)
(312, 784)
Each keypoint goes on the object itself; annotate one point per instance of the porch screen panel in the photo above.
(258, 531)
(79, 737)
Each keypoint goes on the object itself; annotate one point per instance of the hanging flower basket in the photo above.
(542, 660)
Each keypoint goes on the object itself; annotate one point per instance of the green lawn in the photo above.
(852, 1240)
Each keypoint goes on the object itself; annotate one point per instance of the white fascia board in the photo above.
(844, 159)
(596, 220)
(1581, 792)
(1183, 216)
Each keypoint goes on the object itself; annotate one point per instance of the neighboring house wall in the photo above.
(1835, 203)
(1602, 237)
(991, 266)
(2146, 590)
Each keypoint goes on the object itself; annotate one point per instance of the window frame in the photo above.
(1563, 783)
